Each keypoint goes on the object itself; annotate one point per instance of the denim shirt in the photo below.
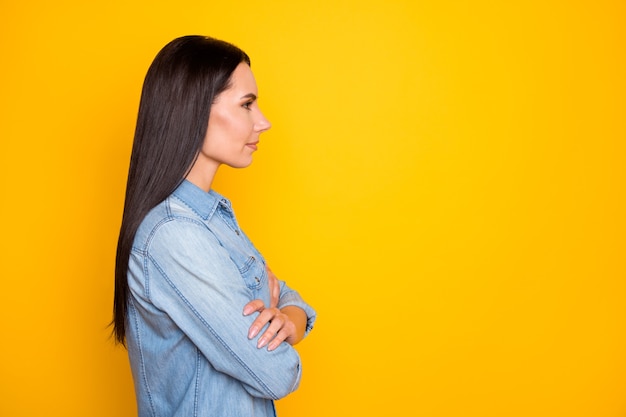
(191, 272)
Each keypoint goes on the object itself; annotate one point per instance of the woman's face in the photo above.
(235, 123)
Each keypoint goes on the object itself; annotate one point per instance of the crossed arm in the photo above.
(287, 324)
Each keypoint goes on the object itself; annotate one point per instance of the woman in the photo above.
(203, 317)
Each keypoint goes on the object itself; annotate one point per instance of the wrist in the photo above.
(298, 317)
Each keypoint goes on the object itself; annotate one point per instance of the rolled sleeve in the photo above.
(289, 297)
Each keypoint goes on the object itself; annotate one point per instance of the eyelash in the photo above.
(247, 105)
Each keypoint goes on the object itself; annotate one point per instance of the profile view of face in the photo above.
(235, 123)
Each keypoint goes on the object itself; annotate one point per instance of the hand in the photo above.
(281, 328)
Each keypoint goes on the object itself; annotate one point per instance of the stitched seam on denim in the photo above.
(195, 403)
(184, 203)
(212, 331)
(227, 219)
(296, 382)
(246, 266)
(146, 255)
(143, 364)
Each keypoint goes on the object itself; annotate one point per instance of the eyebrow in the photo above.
(250, 95)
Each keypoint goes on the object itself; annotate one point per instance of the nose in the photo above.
(262, 124)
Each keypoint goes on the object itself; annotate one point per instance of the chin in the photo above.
(241, 164)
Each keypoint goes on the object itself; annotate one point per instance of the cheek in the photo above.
(218, 131)
(230, 125)
(227, 130)
(235, 132)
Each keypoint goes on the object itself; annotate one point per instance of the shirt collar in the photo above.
(203, 203)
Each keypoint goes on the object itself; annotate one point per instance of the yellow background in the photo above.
(444, 182)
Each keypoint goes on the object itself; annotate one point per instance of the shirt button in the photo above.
(237, 231)
(257, 279)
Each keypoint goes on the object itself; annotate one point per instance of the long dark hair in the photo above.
(181, 84)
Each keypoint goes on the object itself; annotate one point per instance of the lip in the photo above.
(253, 145)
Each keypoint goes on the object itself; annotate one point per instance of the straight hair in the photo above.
(180, 86)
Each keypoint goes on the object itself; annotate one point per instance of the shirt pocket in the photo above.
(252, 271)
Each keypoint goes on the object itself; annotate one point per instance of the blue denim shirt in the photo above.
(191, 272)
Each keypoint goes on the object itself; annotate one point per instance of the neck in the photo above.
(201, 175)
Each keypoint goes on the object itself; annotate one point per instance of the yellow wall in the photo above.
(444, 182)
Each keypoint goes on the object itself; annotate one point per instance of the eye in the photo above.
(247, 104)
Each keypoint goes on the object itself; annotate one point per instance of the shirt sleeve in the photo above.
(289, 297)
(193, 280)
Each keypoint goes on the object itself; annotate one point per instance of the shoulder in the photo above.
(170, 223)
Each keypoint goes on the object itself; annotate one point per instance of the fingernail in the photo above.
(261, 343)
(252, 332)
(247, 310)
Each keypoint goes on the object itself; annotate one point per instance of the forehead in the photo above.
(242, 80)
